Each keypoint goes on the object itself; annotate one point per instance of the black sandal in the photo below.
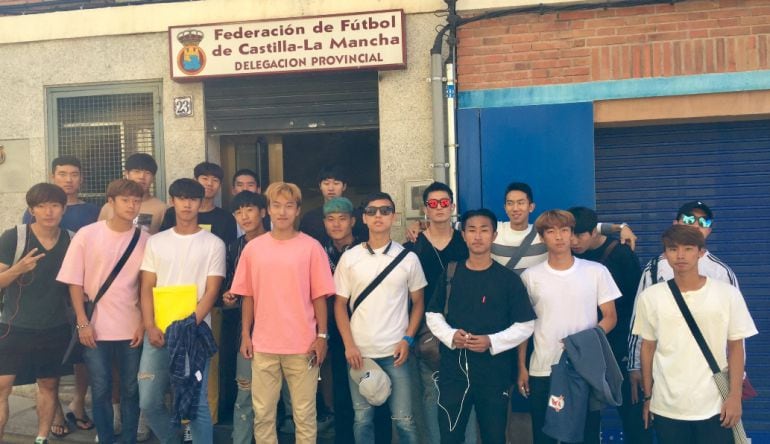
(83, 423)
(60, 430)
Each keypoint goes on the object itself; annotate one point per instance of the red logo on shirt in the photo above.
(556, 403)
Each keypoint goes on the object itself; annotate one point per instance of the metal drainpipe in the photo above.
(451, 114)
(439, 164)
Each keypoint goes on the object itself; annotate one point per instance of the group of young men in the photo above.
(341, 287)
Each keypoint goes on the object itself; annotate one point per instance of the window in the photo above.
(102, 126)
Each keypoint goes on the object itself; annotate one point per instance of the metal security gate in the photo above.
(313, 102)
(643, 175)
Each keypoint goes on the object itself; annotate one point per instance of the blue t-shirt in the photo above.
(75, 217)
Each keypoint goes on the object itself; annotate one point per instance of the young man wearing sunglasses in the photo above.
(382, 327)
(436, 247)
(699, 215)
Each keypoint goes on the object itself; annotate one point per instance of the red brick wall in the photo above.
(691, 37)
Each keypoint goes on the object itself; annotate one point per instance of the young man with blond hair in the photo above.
(565, 292)
(284, 279)
(115, 330)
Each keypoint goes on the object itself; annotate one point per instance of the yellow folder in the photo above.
(173, 303)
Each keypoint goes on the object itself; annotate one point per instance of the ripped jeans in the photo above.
(400, 402)
(243, 412)
(154, 382)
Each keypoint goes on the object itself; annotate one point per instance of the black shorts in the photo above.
(37, 353)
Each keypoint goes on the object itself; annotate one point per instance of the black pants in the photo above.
(490, 401)
(539, 391)
(631, 416)
(707, 431)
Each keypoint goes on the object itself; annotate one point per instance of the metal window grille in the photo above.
(102, 130)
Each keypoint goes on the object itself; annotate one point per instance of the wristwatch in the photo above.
(323, 336)
(623, 225)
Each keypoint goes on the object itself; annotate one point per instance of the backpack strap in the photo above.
(450, 273)
(21, 241)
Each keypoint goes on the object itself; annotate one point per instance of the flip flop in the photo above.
(64, 430)
(83, 423)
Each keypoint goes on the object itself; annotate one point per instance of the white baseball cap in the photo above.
(373, 382)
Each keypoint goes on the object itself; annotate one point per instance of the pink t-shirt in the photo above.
(92, 254)
(283, 277)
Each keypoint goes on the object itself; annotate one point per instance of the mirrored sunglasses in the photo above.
(435, 203)
(690, 219)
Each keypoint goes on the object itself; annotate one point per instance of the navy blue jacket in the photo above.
(586, 377)
(189, 347)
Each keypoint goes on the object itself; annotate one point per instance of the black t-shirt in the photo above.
(36, 300)
(434, 261)
(220, 222)
(626, 272)
(482, 303)
(312, 224)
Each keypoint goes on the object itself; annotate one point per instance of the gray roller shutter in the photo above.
(292, 103)
(643, 174)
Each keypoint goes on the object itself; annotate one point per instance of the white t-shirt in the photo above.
(565, 303)
(684, 388)
(507, 242)
(179, 259)
(709, 265)
(380, 322)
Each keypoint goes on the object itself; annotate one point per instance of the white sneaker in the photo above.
(187, 436)
(142, 431)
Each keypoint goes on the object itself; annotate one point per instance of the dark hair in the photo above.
(186, 189)
(519, 186)
(247, 198)
(66, 160)
(437, 186)
(683, 235)
(245, 172)
(481, 212)
(208, 169)
(332, 172)
(554, 219)
(141, 161)
(585, 219)
(45, 192)
(379, 195)
(124, 187)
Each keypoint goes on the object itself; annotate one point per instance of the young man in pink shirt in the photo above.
(284, 279)
(115, 330)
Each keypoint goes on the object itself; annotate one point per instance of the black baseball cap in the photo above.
(696, 204)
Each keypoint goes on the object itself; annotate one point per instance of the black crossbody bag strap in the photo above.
(119, 266)
(704, 348)
(383, 274)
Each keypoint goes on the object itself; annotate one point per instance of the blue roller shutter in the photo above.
(644, 173)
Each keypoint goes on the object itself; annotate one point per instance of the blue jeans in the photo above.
(154, 383)
(99, 363)
(400, 402)
(243, 412)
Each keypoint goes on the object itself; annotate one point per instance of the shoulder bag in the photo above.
(721, 377)
(427, 348)
(74, 349)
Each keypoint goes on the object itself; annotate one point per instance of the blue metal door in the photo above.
(550, 147)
